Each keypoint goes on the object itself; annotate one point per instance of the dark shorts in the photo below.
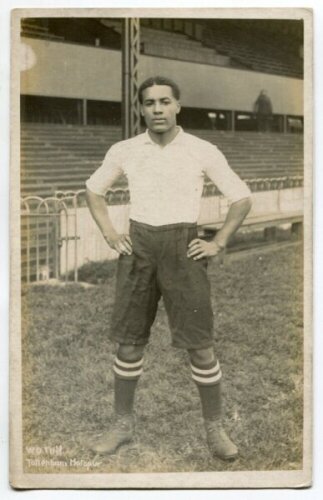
(159, 267)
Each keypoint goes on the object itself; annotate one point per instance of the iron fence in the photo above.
(42, 238)
(54, 231)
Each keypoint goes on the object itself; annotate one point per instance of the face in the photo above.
(159, 108)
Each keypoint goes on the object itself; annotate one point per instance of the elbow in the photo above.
(87, 195)
(90, 197)
(247, 205)
(244, 204)
(242, 207)
(248, 202)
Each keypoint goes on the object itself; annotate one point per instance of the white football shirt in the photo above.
(166, 183)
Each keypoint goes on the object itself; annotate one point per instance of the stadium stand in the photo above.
(61, 157)
(258, 46)
(34, 29)
(161, 43)
(266, 53)
(60, 148)
(224, 43)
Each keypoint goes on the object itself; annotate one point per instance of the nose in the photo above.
(157, 108)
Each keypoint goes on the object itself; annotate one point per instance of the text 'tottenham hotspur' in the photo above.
(54, 456)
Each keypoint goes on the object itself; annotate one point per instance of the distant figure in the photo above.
(264, 111)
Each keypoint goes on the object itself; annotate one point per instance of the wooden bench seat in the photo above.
(263, 221)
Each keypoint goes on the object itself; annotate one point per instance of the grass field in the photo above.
(68, 380)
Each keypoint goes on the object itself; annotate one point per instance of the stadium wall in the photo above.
(92, 247)
(76, 71)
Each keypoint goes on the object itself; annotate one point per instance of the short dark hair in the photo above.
(159, 80)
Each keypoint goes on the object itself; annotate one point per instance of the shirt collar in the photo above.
(177, 138)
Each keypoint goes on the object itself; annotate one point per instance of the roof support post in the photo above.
(130, 84)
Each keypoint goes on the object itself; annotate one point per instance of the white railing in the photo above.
(59, 234)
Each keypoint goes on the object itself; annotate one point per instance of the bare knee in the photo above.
(130, 352)
(201, 356)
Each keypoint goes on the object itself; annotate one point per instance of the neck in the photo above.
(164, 138)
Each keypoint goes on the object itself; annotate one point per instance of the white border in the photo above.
(317, 489)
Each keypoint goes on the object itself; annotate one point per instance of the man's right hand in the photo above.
(120, 242)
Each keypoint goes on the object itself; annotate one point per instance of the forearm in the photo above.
(100, 213)
(235, 216)
(119, 242)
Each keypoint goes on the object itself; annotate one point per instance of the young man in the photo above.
(162, 255)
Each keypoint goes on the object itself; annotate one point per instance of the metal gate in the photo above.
(58, 234)
(46, 231)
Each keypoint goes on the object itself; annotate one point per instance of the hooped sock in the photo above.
(207, 379)
(126, 376)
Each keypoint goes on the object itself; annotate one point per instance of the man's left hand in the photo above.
(197, 249)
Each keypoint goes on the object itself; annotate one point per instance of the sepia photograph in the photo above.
(161, 271)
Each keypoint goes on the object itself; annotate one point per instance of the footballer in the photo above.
(162, 257)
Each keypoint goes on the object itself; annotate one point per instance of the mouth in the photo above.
(159, 120)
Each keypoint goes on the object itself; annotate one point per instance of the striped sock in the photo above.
(208, 374)
(207, 379)
(126, 376)
(128, 370)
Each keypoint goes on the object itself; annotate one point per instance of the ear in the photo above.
(178, 107)
(141, 110)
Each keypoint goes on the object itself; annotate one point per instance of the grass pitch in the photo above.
(68, 379)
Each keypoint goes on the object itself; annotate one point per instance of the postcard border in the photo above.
(236, 479)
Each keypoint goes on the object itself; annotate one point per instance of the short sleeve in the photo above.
(103, 178)
(221, 174)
